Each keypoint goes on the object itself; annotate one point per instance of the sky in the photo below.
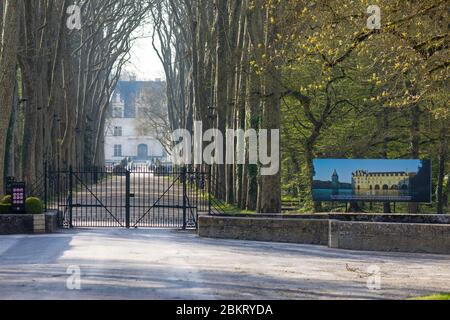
(324, 167)
(144, 62)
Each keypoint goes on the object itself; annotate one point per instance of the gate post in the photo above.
(70, 197)
(127, 198)
(183, 178)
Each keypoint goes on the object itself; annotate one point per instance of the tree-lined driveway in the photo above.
(168, 264)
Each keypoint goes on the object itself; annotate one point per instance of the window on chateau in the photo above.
(117, 131)
(117, 113)
(117, 150)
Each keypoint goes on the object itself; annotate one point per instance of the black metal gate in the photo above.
(157, 197)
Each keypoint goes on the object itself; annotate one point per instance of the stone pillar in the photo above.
(39, 223)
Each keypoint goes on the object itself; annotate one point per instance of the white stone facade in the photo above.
(123, 138)
(363, 180)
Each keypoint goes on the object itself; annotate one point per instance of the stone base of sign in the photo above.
(28, 223)
(342, 234)
(393, 237)
(361, 217)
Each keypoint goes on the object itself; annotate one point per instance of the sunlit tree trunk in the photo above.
(271, 120)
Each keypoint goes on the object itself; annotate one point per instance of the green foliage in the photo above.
(34, 206)
(351, 92)
(442, 296)
(232, 209)
(6, 200)
(5, 208)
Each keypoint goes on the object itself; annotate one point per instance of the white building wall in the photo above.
(130, 139)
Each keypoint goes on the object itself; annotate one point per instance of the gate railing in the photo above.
(164, 197)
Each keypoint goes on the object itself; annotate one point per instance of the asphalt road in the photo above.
(168, 264)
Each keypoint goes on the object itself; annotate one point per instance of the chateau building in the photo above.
(364, 180)
(335, 180)
(125, 136)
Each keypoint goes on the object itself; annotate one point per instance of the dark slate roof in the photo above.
(130, 89)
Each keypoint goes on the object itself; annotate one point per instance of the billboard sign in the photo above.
(372, 180)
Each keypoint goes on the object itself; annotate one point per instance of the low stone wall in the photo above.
(263, 229)
(395, 237)
(363, 217)
(392, 218)
(27, 224)
(353, 235)
(16, 223)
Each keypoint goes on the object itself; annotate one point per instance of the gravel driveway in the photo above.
(168, 264)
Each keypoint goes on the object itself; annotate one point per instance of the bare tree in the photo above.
(8, 61)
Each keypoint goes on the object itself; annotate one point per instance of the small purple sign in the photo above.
(18, 197)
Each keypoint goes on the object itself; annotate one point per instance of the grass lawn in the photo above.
(230, 209)
(440, 296)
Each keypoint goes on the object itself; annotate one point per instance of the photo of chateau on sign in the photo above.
(372, 180)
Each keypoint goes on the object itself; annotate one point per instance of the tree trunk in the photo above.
(309, 157)
(9, 156)
(221, 81)
(271, 120)
(253, 105)
(8, 60)
(443, 155)
(31, 123)
(384, 154)
(414, 145)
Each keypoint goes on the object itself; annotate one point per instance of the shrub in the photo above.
(6, 200)
(34, 206)
(5, 208)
